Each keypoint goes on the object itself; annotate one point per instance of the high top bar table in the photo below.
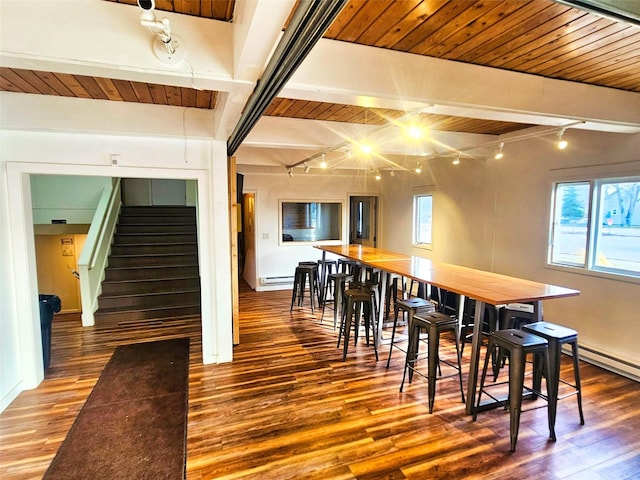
(483, 286)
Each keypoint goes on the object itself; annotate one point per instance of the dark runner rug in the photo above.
(134, 423)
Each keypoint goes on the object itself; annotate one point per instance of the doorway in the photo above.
(363, 220)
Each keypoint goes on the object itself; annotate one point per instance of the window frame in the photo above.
(596, 177)
(415, 227)
(297, 243)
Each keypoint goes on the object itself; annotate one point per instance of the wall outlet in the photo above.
(115, 158)
(265, 236)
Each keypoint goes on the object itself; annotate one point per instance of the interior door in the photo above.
(363, 225)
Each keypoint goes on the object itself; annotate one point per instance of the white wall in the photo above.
(65, 197)
(24, 154)
(273, 257)
(495, 215)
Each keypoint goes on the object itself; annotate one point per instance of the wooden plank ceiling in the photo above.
(539, 37)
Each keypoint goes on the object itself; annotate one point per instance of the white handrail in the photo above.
(95, 253)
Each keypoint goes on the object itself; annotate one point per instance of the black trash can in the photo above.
(49, 304)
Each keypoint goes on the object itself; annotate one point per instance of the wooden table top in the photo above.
(481, 285)
(362, 253)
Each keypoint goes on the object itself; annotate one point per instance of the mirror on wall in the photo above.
(310, 221)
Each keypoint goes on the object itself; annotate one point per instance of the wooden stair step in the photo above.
(168, 259)
(154, 248)
(159, 228)
(130, 287)
(149, 300)
(147, 313)
(141, 273)
(149, 238)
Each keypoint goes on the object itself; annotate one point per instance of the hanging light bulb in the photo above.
(562, 143)
(323, 163)
(499, 154)
(414, 131)
(366, 148)
(419, 167)
(456, 161)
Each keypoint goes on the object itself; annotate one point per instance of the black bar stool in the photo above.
(337, 282)
(435, 324)
(328, 266)
(358, 301)
(557, 335)
(411, 306)
(304, 271)
(519, 344)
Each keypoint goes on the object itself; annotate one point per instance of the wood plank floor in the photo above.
(287, 407)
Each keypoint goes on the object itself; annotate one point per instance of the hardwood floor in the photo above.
(287, 407)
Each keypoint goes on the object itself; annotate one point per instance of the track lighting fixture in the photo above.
(562, 143)
(499, 154)
(392, 173)
(456, 161)
(378, 176)
(307, 168)
(419, 167)
(323, 163)
(290, 172)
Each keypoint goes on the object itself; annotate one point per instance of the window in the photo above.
(596, 225)
(311, 221)
(422, 220)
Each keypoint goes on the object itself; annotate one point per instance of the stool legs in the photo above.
(576, 376)
(557, 335)
(358, 307)
(433, 343)
(517, 357)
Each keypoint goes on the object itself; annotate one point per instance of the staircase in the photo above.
(153, 266)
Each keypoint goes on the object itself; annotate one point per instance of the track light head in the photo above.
(499, 154)
(290, 170)
(323, 162)
(378, 176)
(307, 168)
(419, 167)
(456, 161)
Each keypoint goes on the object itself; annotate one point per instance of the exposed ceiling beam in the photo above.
(308, 24)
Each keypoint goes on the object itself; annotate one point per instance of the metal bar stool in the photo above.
(338, 282)
(519, 344)
(411, 306)
(435, 324)
(557, 335)
(305, 270)
(358, 301)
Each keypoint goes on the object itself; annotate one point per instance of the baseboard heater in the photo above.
(276, 280)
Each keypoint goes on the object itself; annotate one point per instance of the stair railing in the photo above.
(95, 253)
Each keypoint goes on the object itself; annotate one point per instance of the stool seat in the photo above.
(434, 323)
(519, 344)
(413, 303)
(557, 335)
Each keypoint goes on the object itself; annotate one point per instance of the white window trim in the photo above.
(418, 192)
(584, 174)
